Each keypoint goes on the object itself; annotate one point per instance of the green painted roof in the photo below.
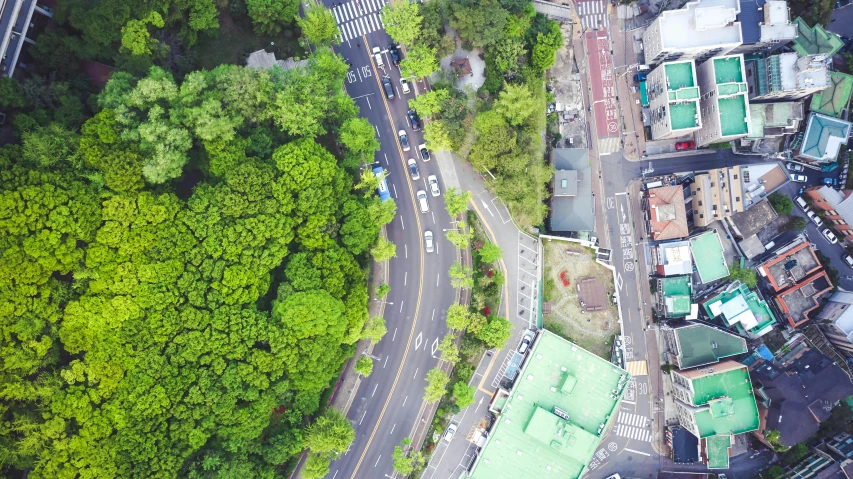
(823, 137)
(727, 70)
(679, 75)
(676, 295)
(834, 99)
(718, 451)
(529, 439)
(815, 40)
(760, 310)
(701, 344)
(707, 252)
(731, 404)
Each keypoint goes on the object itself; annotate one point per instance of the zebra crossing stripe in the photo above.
(372, 24)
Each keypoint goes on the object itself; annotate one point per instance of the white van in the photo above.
(849, 260)
(377, 55)
(800, 201)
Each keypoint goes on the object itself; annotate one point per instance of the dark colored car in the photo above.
(639, 77)
(389, 88)
(685, 145)
(395, 54)
(414, 120)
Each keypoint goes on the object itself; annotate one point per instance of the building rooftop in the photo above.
(741, 308)
(750, 222)
(823, 137)
(675, 294)
(834, 99)
(799, 396)
(701, 23)
(727, 393)
(675, 258)
(707, 251)
(790, 266)
(840, 201)
(731, 95)
(717, 451)
(682, 95)
(815, 40)
(550, 424)
(700, 344)
(667, 212)
(572, 208)
(802, 298)
(773, 119)
(777, 24)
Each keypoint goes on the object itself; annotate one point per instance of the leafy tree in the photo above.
(383, 290)
(135, 37)
(459, 237)
(490, 252)
(359, 136)
(456, 202)
(330, 433)
(458, 317)
(420, 61)
(50, 144)
(794, 454)
(364, 366)
(504, 54)
(495, 332)
(516, 104)
(448, 349)
(436, 385)
(383, 250)
(316, 467)
(402, 21)
(269, 15)
(797, 223)
(437, 135)
(374, 329)
(479, 22)
(431, 102)
(319, 26)
(781, 203)
(10, 93)
(463, 394)
(776, 471)
(744, 275)
(460, 276)
(545, 50)
(405, 459)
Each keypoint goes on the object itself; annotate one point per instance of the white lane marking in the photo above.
(392, 429)
(629, 402)
(336, 475)
(437, 278)
(401, 217)
(406, 249)
(386, 158)
(385, 363)
(433, 315)
(377, 131)
(374, 390)
(404, 400)
(637, 452)
(362, 417)
(401, 306)
(433, 217)
(405, 278)
(377, 461)
(416, 373)
(395, 197)
(395, 335)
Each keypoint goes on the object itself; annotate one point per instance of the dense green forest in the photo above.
(184, 252)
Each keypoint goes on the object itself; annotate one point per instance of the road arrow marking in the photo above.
(486, 206)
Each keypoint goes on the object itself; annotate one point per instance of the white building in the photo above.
(837, 324)
(764, 28)
(673, 99)
(700, 30)
(672, 258)
(724, 104)
(788, 76)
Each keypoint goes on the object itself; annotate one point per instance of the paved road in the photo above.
(388, 405)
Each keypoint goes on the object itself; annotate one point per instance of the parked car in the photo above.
(433, 185)
(685, 145)
(413, 169)
(388, 87)
(830, 181)
(639, 77)
(395, 54)
(404, 140)
(428, 242)
(414, 120)
(451, 430)
(794, 166)
(424, 152)
(801, 203)
(817, 221)
(526, 340)
(830, 236)
(404, 85)
(377, 57)
(799, 178)
(423, 203)
(848, 259)
(614, 476)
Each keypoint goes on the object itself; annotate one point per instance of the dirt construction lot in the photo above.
(592, 331)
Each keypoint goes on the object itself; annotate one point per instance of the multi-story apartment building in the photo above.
(837, 321)
(765, 28)
(724, 106)
(673, 99)
(788, 76)
(716, 195)
(699, 30)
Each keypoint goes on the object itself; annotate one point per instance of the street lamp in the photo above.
(383, 301)
(375, 358)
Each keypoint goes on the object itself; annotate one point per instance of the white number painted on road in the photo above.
(629, 354)
(610, 203)
(628, 253)
(350, 77)
(612, 446)
(602, 454)
(594, 464)
(643, 388)
(629, 266)
(365, 71)
(628, 340)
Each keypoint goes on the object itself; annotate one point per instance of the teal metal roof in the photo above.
(824, 136)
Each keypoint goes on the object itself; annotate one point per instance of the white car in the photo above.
(799, 178)
(424, 152)
(404, 140)
(413, 169)
(404, 85)
(428, 241)
(526, 340)
(848, 259)
(423, 203)
(830, 236)
(451, 430)
(433, 185)
(377, 56)
(817, 221)
(794, 167)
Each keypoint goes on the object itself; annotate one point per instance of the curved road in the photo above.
(388, 405)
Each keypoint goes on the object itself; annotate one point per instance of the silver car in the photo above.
(413, 169)
(428, 243)
(423, 203)
(433, 185)
(404, 140)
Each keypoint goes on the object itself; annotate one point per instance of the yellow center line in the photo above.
(420, 277)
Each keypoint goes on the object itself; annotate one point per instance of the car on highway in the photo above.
(685, 145)
(428, 241)
(848, 259)
(404, 140)
(829, 235)
(433, 185)
(414, 120)
(451, 430)
(424, 152)
(404, 85)
(395, 54)
(413, 169)
(794, 167)
(799, 178)
(388, 87)
(423, 203)
(377, 57)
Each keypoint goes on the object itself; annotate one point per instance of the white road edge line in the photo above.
(637, 452)
(377, 461)
(374, 390)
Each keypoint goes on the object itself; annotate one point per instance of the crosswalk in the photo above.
(608, 145)
(632, 426)
(593, 14)
(358, 17)
(637, 368)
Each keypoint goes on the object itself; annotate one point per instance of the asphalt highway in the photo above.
(388, 406)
